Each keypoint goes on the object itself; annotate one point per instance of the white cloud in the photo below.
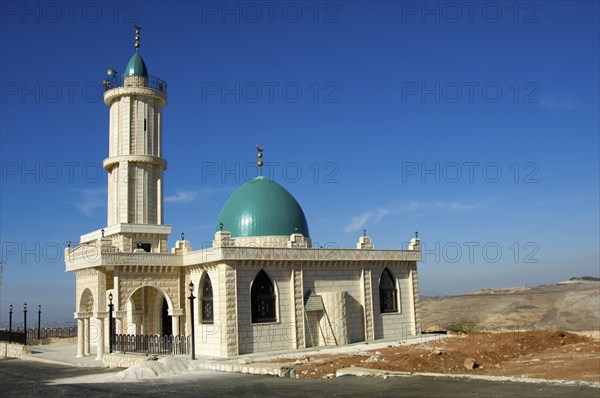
(563, 105)
(181, 197)
(358, 222)
(381, 213)
(92, 199)
(361, 220)
(457, 206)
(187, 196)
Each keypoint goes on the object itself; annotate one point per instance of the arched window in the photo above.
(207, 315)
(262, 296)
(388, 296)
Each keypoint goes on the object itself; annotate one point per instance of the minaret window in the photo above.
(388, 295)
(262, 297)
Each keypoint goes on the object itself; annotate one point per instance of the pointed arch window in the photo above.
(262, 296)
(388, 295)
(207, 315)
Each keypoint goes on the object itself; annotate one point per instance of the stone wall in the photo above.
(125, 360)
(12, 350)
(131, 278)
(350, 297)
(210, 336)
(321, 280)
(394, 324)
(279, 335)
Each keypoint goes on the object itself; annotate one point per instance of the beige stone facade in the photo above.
(346, 280)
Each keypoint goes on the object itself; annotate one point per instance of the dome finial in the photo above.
(260, 163)
(137, 35)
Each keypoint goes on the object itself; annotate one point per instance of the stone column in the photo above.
(231, 331)
(100, 343)
(298, 289)
(120, 318)
(175, 323)
(86, 339)
(119, 326)
(176, 316)
(80, 336)
(368, 303)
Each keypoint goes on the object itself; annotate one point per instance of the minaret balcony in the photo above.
(153, 82)
(119, 86)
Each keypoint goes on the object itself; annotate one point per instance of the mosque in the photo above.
(260, 287)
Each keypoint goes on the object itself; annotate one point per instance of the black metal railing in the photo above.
(52, 333)
(160, 345)
(18, 337)
(153, 82)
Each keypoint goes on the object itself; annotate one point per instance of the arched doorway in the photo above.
(148, 312)
(86, 308)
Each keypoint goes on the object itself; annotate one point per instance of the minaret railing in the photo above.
(153, 82)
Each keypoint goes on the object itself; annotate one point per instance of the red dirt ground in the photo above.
(544, 354)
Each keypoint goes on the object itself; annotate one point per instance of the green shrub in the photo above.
(462, 326)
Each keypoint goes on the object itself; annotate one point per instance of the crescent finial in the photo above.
(137, 35)
(260, 155)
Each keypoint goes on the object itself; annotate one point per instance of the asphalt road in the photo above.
(24, 379)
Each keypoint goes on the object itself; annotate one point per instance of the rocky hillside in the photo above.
(572, 305)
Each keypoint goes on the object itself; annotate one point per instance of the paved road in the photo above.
(23, 379)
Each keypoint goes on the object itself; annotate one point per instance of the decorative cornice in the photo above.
(143, 260)
(144, 269)
(163, 262)
(113, 161)
(86, 273)
(297, 255)
(113, 94)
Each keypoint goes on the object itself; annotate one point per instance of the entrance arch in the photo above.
(84, 314)
(149, 311)
(86, 301)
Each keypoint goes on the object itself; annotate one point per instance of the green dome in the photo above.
(136, 66)
(261, 207)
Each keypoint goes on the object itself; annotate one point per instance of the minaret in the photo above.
(135, 164)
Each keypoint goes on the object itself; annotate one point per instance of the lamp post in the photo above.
(39, 320)
(25, 321)
(110, 323)
(10, 323)
(191, 286)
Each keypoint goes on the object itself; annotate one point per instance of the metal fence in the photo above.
(19, 336)
(12, 337)
(52, 333)
(161, 345)
(153, 82)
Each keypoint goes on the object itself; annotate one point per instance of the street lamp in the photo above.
(191, 286)
(39, 320)
(10, 307)
(25, 321)
(110, 323)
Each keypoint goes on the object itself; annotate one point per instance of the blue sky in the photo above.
(477, 126)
